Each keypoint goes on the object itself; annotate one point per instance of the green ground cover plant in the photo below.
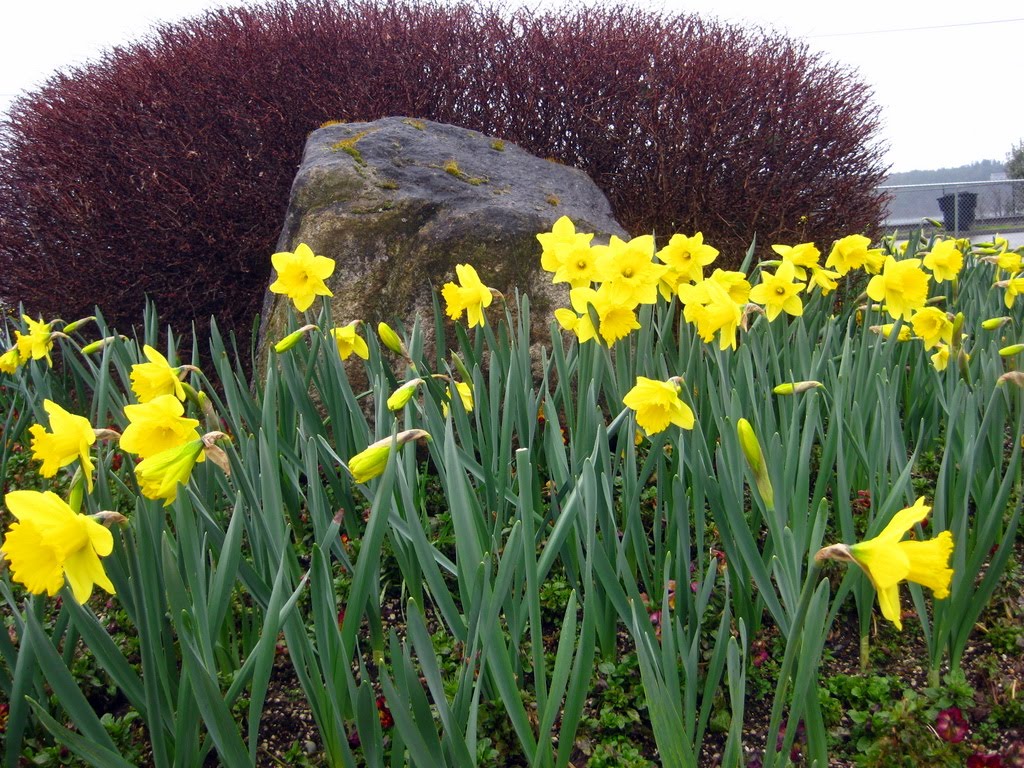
(624, 548)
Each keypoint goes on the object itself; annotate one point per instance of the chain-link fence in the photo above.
(975, 208)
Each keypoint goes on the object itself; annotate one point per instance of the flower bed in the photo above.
(646, 551)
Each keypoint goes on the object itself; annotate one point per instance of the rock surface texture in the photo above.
(397, 203)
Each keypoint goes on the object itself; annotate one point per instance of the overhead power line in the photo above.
(917, 29)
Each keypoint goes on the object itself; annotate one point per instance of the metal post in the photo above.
(956, 211)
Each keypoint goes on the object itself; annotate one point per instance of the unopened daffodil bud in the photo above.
(796, 387)
(293, 338)
(401, 396)
(956, 337)
(958, 323)
(994, 323)
(371, 462)
(1011, 350)
(962, 361)
(99, 344)
(206, 406)
(390, 339)
(996, 246)
(72, 327)
(77, 491)
(755, 458)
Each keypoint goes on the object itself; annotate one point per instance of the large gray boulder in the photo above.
(399, 202)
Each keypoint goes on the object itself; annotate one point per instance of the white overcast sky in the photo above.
(947, 74)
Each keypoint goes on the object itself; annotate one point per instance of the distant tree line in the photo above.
(1015, 161)
(981, 170)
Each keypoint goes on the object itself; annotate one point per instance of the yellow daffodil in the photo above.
(371, 462)
(735, 283)
(51, 542)
(615, 320)
(887, 330)
(887, 560)
(944, 261)
(578, 267)
(562, 239)
(1014, 286)
(465, 395)
(669, 282)
(932, 325)
(157, 426)
(1010, 261)
(687, 257)
(779, 293)
(824, 279)
(854, 252)
(627, 271)
(902, 285)
(37, 344)
(803, 257)
(350, 342)
(710, 307)
(155, 378)
(940, 359)
(568, 320)
(694, 293)
(68, 439)
(10, 360)
(469, 296)
(657, 404)
(161, 473)
(301, 275)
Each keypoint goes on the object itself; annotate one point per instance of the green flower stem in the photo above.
(786, 670)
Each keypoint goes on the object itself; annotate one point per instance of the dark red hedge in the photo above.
(164, 167)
